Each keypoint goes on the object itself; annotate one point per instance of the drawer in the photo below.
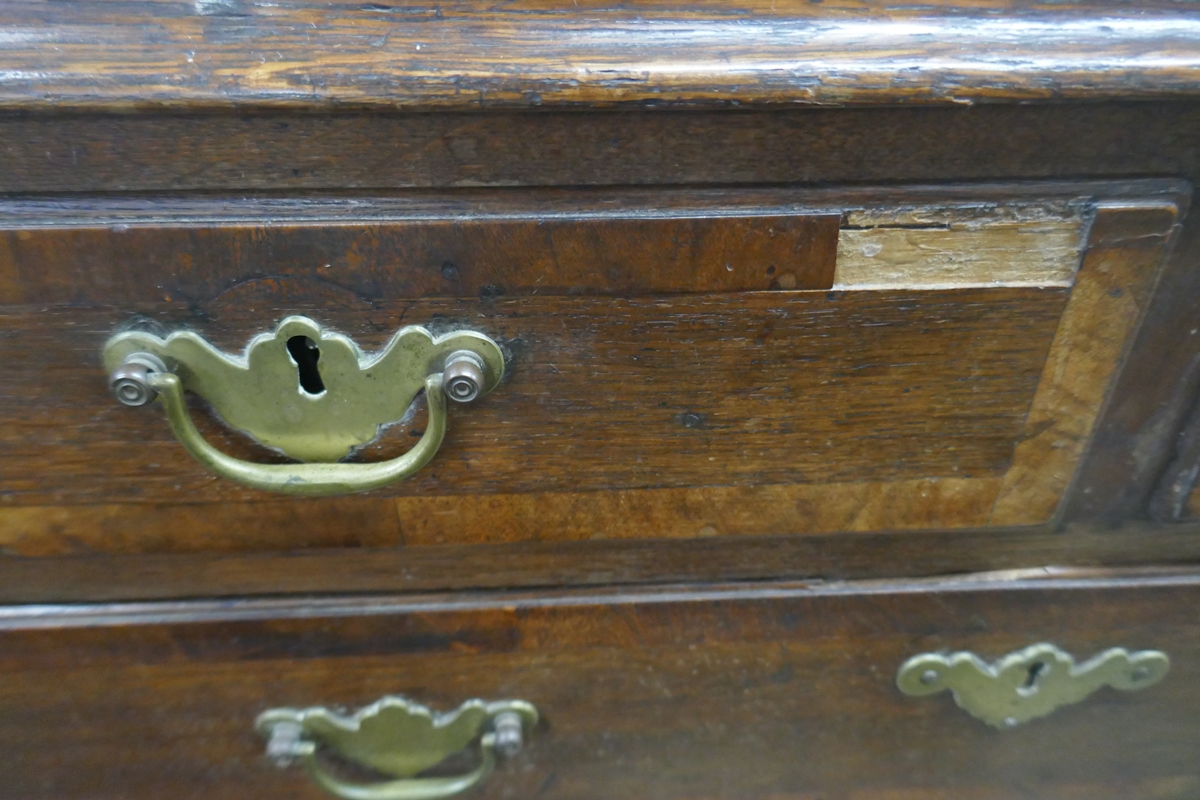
(679, 364)
(734, 691)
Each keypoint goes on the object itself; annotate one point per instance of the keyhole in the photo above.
(1035, 669)
(305, 353)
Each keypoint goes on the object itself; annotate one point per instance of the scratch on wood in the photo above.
(942, 247)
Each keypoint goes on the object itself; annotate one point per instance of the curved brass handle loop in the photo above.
(307, 392)
(404, 788)
(306, 479)
(399, 739)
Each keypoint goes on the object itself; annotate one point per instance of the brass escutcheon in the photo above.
(307, 392)
(1029, 683)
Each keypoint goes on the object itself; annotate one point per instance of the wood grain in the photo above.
(752, 692)
(1134, 440)
(277, 152)
(596, 562)
(690, 691)
(418, 521)
(376, 248)
(151, 248)
(243, 54)
(349, 522)
(1125, 249)
(930, 486)
(1173, 498)
(941, 248)
(602, 394)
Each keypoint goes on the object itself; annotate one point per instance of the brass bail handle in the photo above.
(398, 739)
(309, 393)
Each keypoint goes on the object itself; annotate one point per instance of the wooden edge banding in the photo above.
(588, 564)
(932, 247)
(117, 257)
(117, 614)
(53, 531)
(1126, 245)
(704, 511)
(271, 526)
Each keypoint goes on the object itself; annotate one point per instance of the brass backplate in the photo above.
(394, 735)
(261, 392)
(1029, 683)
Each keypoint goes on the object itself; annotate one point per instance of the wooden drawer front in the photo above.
(781, 691)
(680, 364)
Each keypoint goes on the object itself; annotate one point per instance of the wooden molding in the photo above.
(242, 54)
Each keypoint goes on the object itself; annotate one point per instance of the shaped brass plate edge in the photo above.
(268, 394)
(259, 392)
(1029, 683)
(398, 738)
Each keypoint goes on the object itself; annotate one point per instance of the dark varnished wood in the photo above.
(231, 54)
(278, 524)
(133, 252)
(188, 247)
(815, 428)
(596, 562)
(1134, 442)
(77, 152)
(725, 691)
(169, 152)
(602, 393)
(839, 411)
(203, 162)
(1173, 497)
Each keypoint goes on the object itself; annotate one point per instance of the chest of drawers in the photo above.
(836, 432)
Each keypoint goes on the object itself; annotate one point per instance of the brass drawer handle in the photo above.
(1029, 683)
(398, 738)
(308, 392)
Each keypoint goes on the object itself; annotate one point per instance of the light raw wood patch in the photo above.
(949, 247)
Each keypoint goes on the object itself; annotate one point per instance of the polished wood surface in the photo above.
(432, 527)
(767, 690)
(914, 409)
(771, 319)
(603, 393)
(152, 248)
(366, 560)
(247, 152)
(239, 54)
(274, 524)
(161, 250)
